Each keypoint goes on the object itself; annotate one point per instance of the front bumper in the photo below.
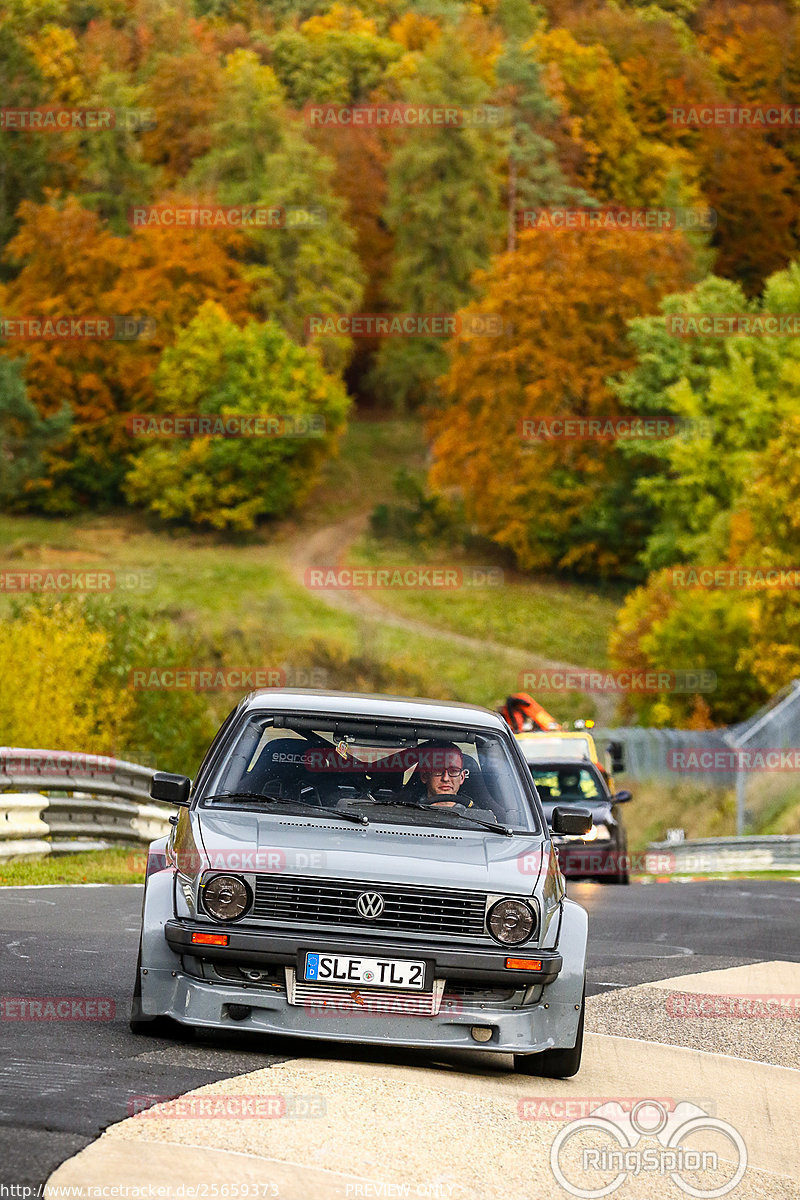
(529, 1029)
(482, 967)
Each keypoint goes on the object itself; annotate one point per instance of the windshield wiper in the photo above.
(427, 808)
(357, 818)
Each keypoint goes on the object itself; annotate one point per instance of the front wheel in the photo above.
(555, 1064)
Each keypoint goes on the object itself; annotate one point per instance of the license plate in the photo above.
(341, 970)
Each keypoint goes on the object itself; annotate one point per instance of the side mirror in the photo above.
(571, 820)
(616, 752)
(622, 797)
(174, 789)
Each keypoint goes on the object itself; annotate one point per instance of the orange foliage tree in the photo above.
(71, 266)
(565, 299)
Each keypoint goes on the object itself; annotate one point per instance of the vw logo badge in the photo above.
(370, 905)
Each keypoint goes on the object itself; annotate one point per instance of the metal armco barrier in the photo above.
(99, 802)
(710, 855)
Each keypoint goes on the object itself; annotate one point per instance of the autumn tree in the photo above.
(216, 368)
(23, 434)
(566, 297)
(614, 161)
(535, 177)
(183, 92)
(337, 58)
(444, 211)
(29, 161)
(259, 156)
(68, 265)
(771, 506)
(729, 395)
(666, 628)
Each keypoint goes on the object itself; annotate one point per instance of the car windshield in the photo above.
(432, 776)
(567, 784)
(536, 748)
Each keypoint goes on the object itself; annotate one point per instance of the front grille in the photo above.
(318, 1000)
(332, 902)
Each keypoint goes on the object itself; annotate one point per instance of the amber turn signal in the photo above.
(524, 964)
(209, 939)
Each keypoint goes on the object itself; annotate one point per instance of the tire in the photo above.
(555, 1064)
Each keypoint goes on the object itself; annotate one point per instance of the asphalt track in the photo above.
(63, 1081)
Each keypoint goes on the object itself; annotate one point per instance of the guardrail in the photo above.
(711, 855)
(98, 802)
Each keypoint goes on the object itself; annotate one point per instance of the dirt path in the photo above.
(328, 546)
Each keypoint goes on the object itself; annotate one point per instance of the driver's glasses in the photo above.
(453, 772)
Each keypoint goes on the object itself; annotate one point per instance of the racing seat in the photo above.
(280, 769)
(474, 787)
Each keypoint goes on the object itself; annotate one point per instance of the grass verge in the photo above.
(119, 865)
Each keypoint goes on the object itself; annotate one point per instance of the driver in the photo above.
(441, 770)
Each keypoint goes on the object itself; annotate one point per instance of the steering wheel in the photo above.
(279, 785)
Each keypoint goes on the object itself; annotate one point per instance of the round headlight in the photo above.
(511, 922)
(226, 897)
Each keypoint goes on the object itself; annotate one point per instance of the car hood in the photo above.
(305, 845)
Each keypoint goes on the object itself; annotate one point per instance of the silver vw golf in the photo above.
(365, 869)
